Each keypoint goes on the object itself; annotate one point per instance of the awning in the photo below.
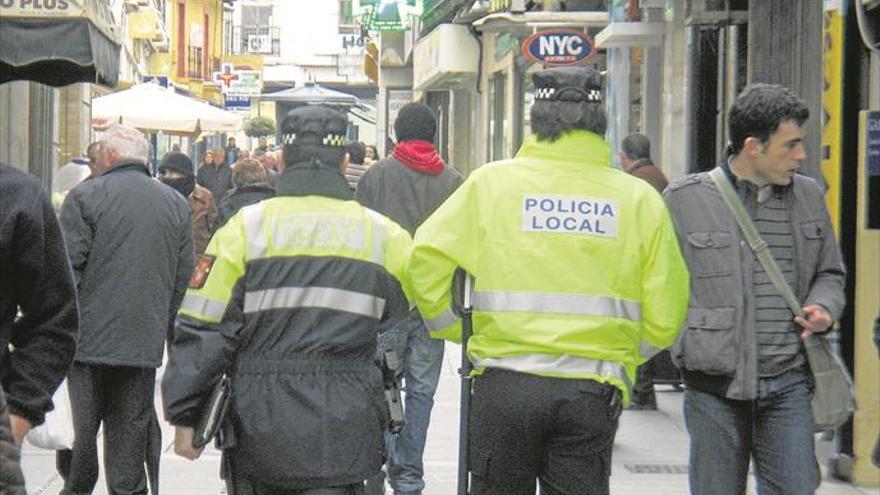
(364, 112)
(69, 43)
(150, 107)
(525, 23)
(312, 94)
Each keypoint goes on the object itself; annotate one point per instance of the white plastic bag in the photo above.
(57, 432)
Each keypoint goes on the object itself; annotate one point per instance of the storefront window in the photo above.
(497, 116)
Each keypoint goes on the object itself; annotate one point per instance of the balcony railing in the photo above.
(194, 63)
(261, 40)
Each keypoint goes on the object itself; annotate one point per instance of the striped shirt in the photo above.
(777, 338)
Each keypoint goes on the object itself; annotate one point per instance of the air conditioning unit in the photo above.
(259, 43)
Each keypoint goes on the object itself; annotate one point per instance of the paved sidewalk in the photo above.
(650, 453)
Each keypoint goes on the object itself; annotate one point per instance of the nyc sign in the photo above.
(559, 47)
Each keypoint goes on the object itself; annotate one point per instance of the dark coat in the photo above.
(238, 198)
(129, 238)
(405, 195)
(34, 277)
(217, 179)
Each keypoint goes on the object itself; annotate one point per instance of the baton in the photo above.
(462, 296)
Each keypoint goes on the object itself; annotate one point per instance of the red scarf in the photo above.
(420, 156)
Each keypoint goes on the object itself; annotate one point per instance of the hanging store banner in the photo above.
(559, 47)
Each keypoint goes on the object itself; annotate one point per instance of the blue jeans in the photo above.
(424, 358)
(776, 430)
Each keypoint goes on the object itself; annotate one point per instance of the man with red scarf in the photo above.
(407, 187)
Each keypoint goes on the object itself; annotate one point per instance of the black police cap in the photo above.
(568, 84)
(315, 125)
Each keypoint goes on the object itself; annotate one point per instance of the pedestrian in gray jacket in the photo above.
(407, 187)
(748, 386)
(129, 240)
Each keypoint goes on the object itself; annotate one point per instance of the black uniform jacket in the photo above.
(307, 396)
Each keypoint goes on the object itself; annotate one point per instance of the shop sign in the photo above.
(504, 44)
(559, 47)
(40, 8)
(239, 82)
(237, 103)
(872, 144)
(396, 99)
(870, 139)
(386, 15)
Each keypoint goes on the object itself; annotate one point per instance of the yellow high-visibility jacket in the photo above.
(577, 266)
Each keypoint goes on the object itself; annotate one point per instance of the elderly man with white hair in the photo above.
(130, 246)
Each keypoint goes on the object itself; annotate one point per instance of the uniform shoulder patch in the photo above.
(203, 269)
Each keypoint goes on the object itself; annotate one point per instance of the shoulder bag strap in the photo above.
(758, 245)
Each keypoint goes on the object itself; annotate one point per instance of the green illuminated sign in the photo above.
(386, 15)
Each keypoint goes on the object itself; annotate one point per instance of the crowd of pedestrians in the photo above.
(295, 273)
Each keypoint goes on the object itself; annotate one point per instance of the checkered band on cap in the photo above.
(594, 95)
(544, 93)
(336, 140)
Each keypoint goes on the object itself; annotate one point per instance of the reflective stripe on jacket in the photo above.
(578, 270)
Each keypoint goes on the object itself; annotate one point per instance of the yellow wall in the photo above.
(194, 16)
(832, 98)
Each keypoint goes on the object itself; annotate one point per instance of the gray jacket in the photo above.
(129, 239)
(717, 349)
(405, 195)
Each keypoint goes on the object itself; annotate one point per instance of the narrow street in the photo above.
(650, 453)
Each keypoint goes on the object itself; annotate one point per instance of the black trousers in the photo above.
(122, 398)
(238, 483)
(526, 427)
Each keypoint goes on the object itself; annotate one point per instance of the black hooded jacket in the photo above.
(34, 277)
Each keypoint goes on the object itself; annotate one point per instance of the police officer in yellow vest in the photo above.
(578, 280)
(287, 300)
